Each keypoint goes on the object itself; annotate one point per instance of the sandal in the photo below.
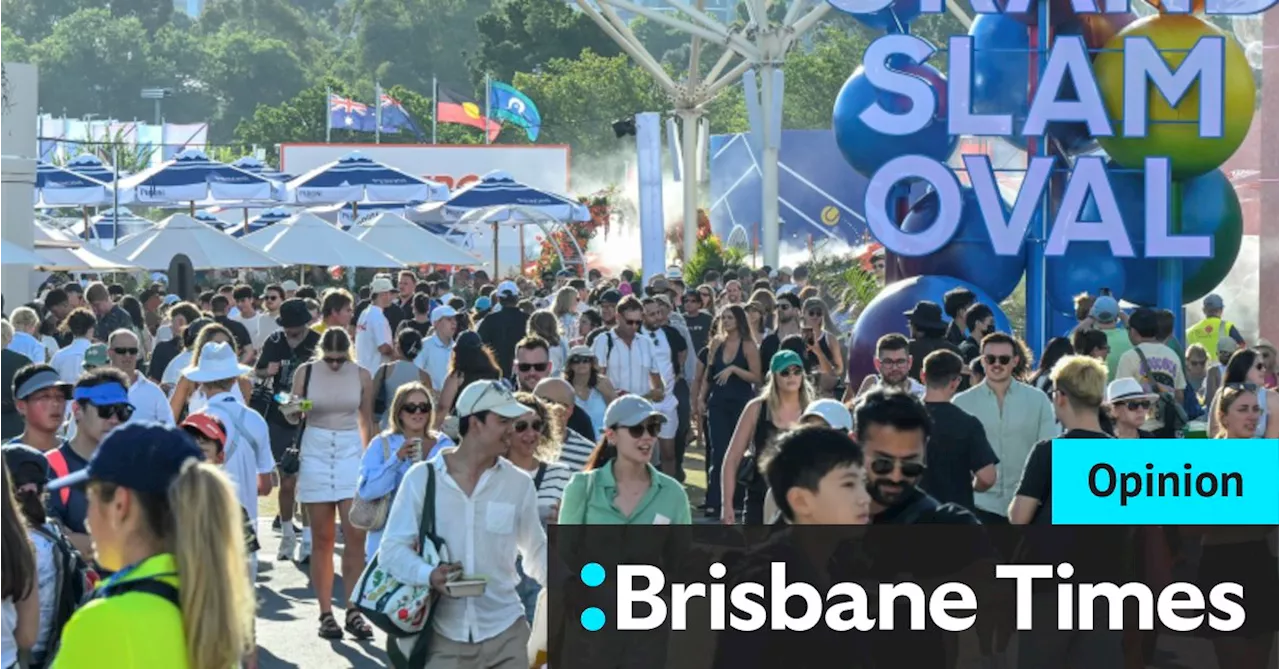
(357, 626)
(329, 627)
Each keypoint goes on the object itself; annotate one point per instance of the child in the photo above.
(816, 478)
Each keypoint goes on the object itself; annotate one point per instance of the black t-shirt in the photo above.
(919, 508)
(163, 354)
(501, 331)
(955, 332)
(919, 348)
(957, 448)
(276, 349)
(1037, 475)
(396, 314)
(423, 329)
(238, 331)
(580, 422)
(699, 329)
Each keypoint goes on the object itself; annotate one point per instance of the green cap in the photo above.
(96, 356)
(784, 359)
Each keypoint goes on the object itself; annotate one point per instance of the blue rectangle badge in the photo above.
(1165, 482)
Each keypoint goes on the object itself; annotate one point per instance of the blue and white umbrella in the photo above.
(191, 176)
(102, 228)
(255, 166)
(58, 186)
(499, 190)
(208, 218)
(341, 214)
(92, 167)
(355, 178)
(262, 220)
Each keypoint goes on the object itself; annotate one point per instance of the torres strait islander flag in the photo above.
(452, 107)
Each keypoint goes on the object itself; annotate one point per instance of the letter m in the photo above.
(1143, 63)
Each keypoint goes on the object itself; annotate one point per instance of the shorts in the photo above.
(672, 424)
(282, 437)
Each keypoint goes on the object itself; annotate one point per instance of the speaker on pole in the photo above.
(182, 277)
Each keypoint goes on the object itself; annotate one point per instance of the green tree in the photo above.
(406, 42)
(102, 74)
(814, 76)
(14, 48)
(526, 35)
(247, 70)
(33, 20)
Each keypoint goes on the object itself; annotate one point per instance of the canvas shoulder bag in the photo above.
(371, 514)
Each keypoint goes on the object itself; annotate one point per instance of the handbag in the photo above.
(291, 459)
(371, 514)
(1168, 409)
(402, 609)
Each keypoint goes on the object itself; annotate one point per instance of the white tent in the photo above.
(47, 236)
(207, 247)
(306, 239)
(87, 258)
(408, 242)
(13, 253)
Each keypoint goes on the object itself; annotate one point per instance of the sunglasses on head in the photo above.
(884, 464)
(522, 425)
(535, 366)
(579, 359)
(637, 431)
(997, 359)
(106, 411)
(791, 371)
(416, 407)
(123, 350)
(1247, 387)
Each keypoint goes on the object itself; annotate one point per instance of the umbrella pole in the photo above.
(495, 252)
(521, 242)
(191, 207)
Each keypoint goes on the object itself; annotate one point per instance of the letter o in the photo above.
(1093, 480)
(885, 228)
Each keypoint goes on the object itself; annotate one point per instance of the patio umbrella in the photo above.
(213, 221)
(191, 176)
(91, 166)
(58, 186)
(306, 239)
(47, 236)
(255, 166)
(14, 254)
(63, 259)
(340, 214)
(207, 248)
(355, 178)
(409, 243)
(102, 228)
(266, 217)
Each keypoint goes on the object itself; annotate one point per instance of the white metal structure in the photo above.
(762, 45)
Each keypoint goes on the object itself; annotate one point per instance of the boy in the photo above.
(826, 413)
(816, 478)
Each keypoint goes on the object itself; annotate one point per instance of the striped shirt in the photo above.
(576, 451)
(551, 487)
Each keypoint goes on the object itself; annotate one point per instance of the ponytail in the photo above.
(218, 603)
(601, 455)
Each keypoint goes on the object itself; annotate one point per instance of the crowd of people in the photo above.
(143, 430)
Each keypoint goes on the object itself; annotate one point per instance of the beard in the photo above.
(889, 493)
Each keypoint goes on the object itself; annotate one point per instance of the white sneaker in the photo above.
(304, 552)
(288, 541)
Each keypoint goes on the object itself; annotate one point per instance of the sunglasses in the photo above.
(998, 359)
(335, 362)
(815, 314)
(634, 324)
(535, 366)
(125, 351)
(416, 407)
(1247, 387)
(637, 431)
(122, 411)
(520, 426)
(578, 360)
(790, 371)
(884, 464)
(1138, 405)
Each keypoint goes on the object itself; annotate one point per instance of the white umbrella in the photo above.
(207, 248)
(306, 239)
(47, 236)
(63, 259)
(12, 253)
(411, 244)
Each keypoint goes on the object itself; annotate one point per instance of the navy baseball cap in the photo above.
(139, 456)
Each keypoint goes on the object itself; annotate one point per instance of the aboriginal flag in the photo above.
(452, 107)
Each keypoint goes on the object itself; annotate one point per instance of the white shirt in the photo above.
(434, 360)
(248, 448)
(664, 363)
(628, 367)
(484, 531)
(69, 362)
(260, 326)
(372, 330)
(149, 402)
(8, 644)
(173, 371)
(29, 346)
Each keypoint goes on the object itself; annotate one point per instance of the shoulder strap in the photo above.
(609, 350)
(427, 524)
(306, 390)
(58, 463)
(240, 430)
(150, 586)
(537, 478)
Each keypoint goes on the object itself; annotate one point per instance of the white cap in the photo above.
(492, 396)
(1125, 389)
(381, 285)
(785, 270)
(833, 412)
(674, 273)
(507, 288)
(444, 311)
(289, 285)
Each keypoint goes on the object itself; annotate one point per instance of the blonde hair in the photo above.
(6, 333)
(1083, 379)
(402, 398)
(545, 324)
(773, 395)
(334, 340)
(564, 301)
(24, 319)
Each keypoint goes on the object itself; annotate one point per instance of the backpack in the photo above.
(76, 580)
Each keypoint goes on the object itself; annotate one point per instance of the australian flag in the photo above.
(345, 114)
(395, 118)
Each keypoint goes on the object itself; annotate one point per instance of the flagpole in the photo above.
(435, 106)
(377, 113)
(328, 114)
(487, 119)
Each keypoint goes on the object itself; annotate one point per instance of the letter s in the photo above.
(1232, 608)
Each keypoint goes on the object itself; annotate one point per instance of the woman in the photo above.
(592, 390)
(29, 472)
(1127, 408)
(19, 589)
(727, 371)
(565, 309)
(532, 447)
(407, 440)
(1246, 369)
(395, 374)
(172, 533)
(1090, 342)
(776, 410)
(755, 320)
(588, 321)
(188, 397)
(470, 361)
(767, 304)
(543, 323)
(1057, 348)
(338, 425)
(69, 360)
(133, 307)
(1267, 352)
(708, 293)
(824, 357)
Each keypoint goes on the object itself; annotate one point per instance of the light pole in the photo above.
(157, 94)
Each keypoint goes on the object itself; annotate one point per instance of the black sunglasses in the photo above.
(122, 411)
(1247, 387)
(521, 426)
(1001, 359)
(634, 324)
(125, 351)
(578, 360)
(1260, 366)
(335, 362)
(791, 371)
(1138, 405)
(637, 431)
(416, 407)
(536, 366)
(884, 464)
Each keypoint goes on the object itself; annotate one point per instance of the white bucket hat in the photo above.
(217, 362)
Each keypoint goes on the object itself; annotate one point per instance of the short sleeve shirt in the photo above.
(72, 513)
(276, 349)
(372, 331)
(628, 366)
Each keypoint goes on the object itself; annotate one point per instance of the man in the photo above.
(219, 305)
(101, 403)
(980, 321)
(151, 300)
(892, 362)
(420, 316)
(284, 351)
(609, 300)
(698, 321)
(149, 402)
(627, 359)
(111, 316)
(57, 306)
(10, 363)
(40, 397)
(1155, 366)
(272, 298)
(75, 295)
(1105, 315)
(437, 349)
(956, 302)
(732, 292)
(1014, 415)
(502, 329)
(290, 288)
(959, 456)
(533, 362)
(374, 344)
(927, 331)
(800, 278)
(1213, 326)
(576, 448)
(336, 311)
(787, 307)
(180, 315)
(1197, 366)
(401, 307)
(669, 350)
(489, 629)
(259, 325)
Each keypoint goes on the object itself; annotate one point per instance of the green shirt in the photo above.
(1118, 340)
(588, 500)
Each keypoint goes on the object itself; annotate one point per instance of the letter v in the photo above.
(1007, 236)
